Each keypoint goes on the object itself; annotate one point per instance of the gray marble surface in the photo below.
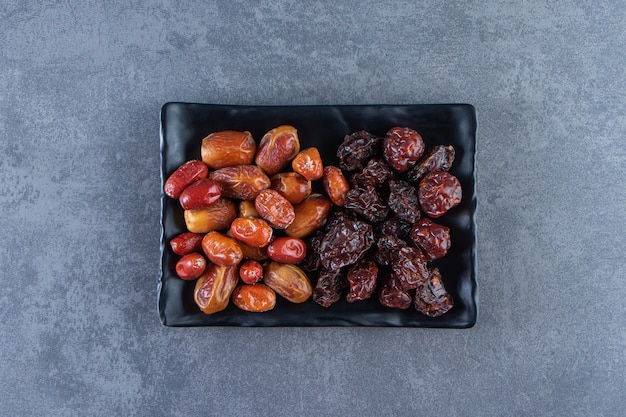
(81, 86)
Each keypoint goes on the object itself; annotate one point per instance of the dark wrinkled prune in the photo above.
(402, 148)
(367, 202)
(403, 201)
(438, 192)
(362, 278)
(375, 173)
(432, 298)
(392, 295)
(432, 238)
(410, 268)
(394, 226)
(312, 260)
(440, 158)
(388, 248)
(330, 285)
(345, 243)
(356, 148)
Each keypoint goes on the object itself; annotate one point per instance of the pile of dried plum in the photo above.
(381, 235)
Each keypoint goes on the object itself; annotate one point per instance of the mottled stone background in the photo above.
(81, 85)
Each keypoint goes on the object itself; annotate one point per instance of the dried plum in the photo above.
(330, 285)
(404, 201)
(410, 268)
(362, 278)
(356, 148)
(375, 173)
(345, 243)
(392, 295)
(431, 298)
(367, 202)
(440, 158)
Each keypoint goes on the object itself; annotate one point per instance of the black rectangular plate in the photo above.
(184, 125)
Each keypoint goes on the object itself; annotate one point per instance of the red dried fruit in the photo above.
(362, 277)
(402, 148)
(274, 208)
(308, 163)
(184, 176)
(252, 231)
(200, 194)
(251, 272)
(288, 250)
(254, 298)
(432, 238)
(190, 266)
(186, 242)
(438, 192)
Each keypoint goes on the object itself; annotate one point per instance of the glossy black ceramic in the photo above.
(184, 125)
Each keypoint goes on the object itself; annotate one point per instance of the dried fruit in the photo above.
(274, 208)
(440, 158)
(376, 173)
(251, 272)
(249, 252)
(335, 185)
(184, 176)
(394, 226)
(311, 261)
(214, 287)
(217, 216)
(289, 281)
(254, 298)
(409, 267)
(392, 295)
(277, 147)
(186, 242)
(247, 209)
(402, 148)
(222, 250)
(356, 148)
(388, 248)
(288, 250)
(403, 201)
(291, 185)
(362, 277)
(243, 182)
(200, 194)
(308, 163)
(252, 231)
(438, 192)
(329, 286)
(190, 266)
(367, 202)
(310, 215)
(432, 238)
(345, 243)
(228, 148)
(432, 298)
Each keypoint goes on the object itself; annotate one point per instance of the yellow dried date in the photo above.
(217, 216)
(228, 148)
(289, 281)
(214, 288)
